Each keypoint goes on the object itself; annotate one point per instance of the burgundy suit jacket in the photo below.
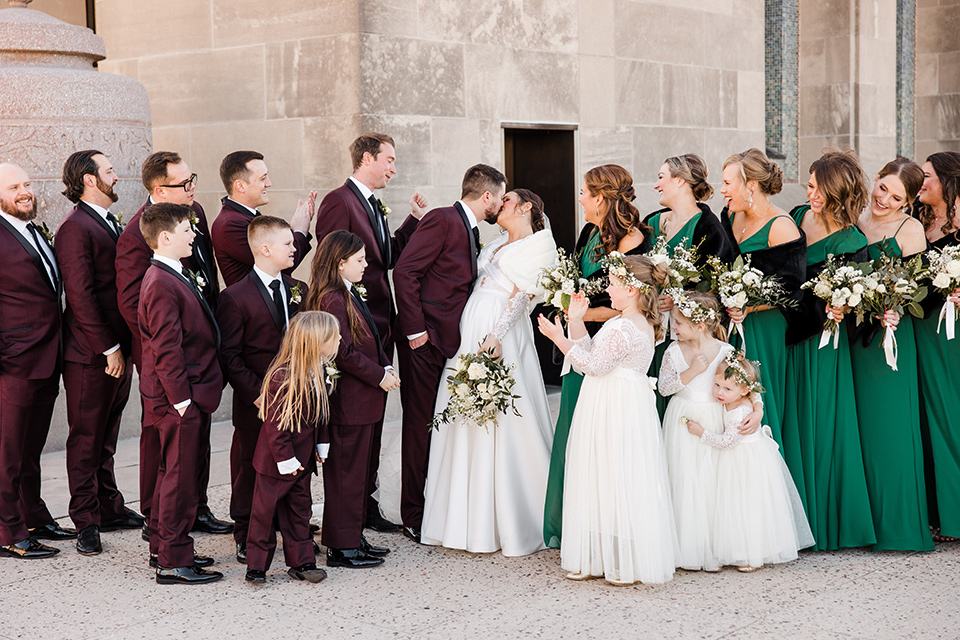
(275, 446)
(87, 252)
(342, 209)
(359, 398)
(251, 340)
(29, 311)
(433, 278)
(133, 259)
(232, 249)
(180, 339)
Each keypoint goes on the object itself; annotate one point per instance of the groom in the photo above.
(433, 278)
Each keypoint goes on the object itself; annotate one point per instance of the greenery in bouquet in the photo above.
(944, 269)
(892, 284)
(564, 279)
(738, 285)
(839, 285)
(681, 263)
(480, 388)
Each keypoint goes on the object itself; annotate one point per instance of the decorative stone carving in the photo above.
(53, 102)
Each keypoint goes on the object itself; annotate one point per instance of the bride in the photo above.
(485, 490)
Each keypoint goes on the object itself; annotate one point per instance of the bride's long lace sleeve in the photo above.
(515, 309)
(610, 348)
(672, 366)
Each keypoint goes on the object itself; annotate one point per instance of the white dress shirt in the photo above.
(266, 278)
(43, 248)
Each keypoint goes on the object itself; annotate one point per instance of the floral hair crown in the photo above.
(740, 374)
(690, 308)
(618, 268)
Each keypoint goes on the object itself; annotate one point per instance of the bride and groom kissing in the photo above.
(462, 486)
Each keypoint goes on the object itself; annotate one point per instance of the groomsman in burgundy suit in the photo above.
(253, 316)
(181, 386)
(167, 178)
(30, 356)
(433, 279)
(96, 343)
(244, 176)
(354, 207)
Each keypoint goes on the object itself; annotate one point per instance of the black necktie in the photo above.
(278, 301)
(113, 223)
(52, 270)
(381, 232)
(476, 239)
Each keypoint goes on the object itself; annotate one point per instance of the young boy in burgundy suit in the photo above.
(181, 385)
(253, 315)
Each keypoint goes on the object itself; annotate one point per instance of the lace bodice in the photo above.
(731, 429)
(700, 389)
(619, 343)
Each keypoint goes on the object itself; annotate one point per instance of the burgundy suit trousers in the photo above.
(95, 403)
(286, 501)
(371, 506)
(344, 484)
(243, 480)
(26, 407)
(421, 371)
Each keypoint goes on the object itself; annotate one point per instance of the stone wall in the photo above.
(938, 77)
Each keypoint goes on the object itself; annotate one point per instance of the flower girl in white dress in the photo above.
(759, 518)
(617, 517)
(686, 375)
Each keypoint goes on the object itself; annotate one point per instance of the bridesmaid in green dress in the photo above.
(820, 407)
(613, 224)
(888, 402)
(776, 247)
(937, 357)
(687, 220)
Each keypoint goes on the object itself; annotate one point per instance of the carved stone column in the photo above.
(53, 101)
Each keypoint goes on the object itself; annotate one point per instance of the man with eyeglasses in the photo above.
(167, 178)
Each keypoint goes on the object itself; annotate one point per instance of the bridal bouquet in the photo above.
(739, 285)
(681, 263)
(945, 276)
(839, 285)
(892, 284)
(480, 388)
(563, 280)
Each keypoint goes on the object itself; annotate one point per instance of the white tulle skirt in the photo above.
(759, 518)
(692, 465)
(617, 516)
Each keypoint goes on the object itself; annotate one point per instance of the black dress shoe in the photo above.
(377, 522)
(145, 532)
(351, 559)
(198, 561)
(413, 533)
(316, 548)
(314, 529)
(88, 541)
(129, 520)
(28, 549)
(308, 572)
(186, 575)
(206, 523)
(370, 550)
(53, 531)
(242, 552)
(256, 576)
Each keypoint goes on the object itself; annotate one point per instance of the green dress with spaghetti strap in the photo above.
(820, 413)
(939, 364)
(888, 412)
(685, 237)
(765, 333)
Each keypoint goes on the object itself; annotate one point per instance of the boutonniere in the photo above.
(331, 370)
(384, 209)
(45, 230)
(296, 293)
(197, 279)
(194, 220)
(361, 291)
(118, 217)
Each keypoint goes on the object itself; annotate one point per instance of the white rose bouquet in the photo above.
(480, 388)
(839, 285)
(892, 284)
(563, 280)
(739, 285)
(944, 275)
(681, 263)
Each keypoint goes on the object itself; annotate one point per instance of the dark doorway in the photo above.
(541, 158)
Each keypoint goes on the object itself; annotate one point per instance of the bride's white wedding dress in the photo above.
(485, 490)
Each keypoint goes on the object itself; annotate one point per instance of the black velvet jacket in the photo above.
(708, 236)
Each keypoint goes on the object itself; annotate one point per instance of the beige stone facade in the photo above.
(938, 76)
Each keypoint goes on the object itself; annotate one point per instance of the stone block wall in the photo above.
(938, 77)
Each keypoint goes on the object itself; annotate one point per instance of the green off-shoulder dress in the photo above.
(765, 333)
(939, 364)
(888, 412)
(685, 237)
(569, 392)
(820, 411)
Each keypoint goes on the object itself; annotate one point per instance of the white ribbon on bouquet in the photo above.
(948, 312)
(825, 337)
(738, 328)
(890, 347)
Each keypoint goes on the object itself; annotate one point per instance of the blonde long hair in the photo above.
(300, 368)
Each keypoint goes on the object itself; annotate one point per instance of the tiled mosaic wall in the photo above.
(781, 72)
(906, 73)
